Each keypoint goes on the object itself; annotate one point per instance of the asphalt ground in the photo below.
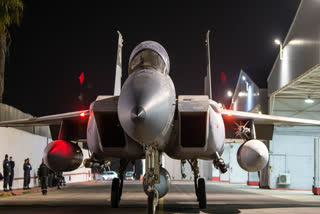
(222, 198)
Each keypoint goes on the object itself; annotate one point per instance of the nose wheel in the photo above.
(153, 199)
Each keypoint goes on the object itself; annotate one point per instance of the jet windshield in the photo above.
(148, 58)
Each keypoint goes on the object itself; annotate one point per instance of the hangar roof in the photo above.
(307, 84)
(290, 100)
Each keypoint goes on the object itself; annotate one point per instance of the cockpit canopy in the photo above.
(149, 54)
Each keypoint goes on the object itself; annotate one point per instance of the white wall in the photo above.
(174, 168)
(292, 151)
(234, 174)
(21, 145)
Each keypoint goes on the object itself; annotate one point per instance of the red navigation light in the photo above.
(223, 77)
(81, 78)
(229, 114)
(82, 114)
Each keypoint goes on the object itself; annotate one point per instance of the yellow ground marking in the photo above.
(160, 207)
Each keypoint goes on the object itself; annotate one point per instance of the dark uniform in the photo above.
(6, 173)
(26, 177)
(50, 178)
(43, 173)
(12, 165)
(60, 179)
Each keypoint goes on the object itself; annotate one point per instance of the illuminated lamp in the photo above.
(309, 100)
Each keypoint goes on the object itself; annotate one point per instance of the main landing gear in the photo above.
(117, 185)
(199, 184)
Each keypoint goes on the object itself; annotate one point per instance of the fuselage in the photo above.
(148, 113)
(147, 101)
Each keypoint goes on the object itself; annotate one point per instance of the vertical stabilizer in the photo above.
(117, 82)
(207, 79)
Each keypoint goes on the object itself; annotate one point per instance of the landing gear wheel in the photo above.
(115, 193)
(152, 201)
(196, 188)
(202, 198)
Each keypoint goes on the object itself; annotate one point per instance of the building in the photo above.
(29, 142)
(293, 90)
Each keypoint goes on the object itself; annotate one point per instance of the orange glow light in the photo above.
(82, 114)
(229, 114)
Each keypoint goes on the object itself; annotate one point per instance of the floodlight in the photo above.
(277, 41)
(309, 100)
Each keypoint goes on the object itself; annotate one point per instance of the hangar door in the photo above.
(235, 174)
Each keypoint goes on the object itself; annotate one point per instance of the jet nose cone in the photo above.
(138, 114)
(146, 106)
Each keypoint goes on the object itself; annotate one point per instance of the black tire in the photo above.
(151, 208)
(202, 193)
(115, 198)
(196, 188)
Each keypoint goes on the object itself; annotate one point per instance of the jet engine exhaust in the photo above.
(253, 156)
(62, 156)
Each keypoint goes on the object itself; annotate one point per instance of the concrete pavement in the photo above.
(222, 198)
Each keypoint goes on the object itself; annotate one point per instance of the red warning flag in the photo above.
(81, 78)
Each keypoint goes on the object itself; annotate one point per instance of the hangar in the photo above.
(292, 90)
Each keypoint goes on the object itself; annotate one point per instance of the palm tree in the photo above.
(10, 13)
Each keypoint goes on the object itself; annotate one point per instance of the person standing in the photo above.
(50, 178)
(43, 173)
(12, 165)
(6, 173)
(59, 177)
(26, 177)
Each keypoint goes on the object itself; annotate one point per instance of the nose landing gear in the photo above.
(152, 177)
(153, 199)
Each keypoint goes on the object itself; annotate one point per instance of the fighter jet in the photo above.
(145, 118)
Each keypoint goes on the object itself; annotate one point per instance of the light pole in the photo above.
(277, 41)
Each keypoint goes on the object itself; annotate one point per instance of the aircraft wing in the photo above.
(55, 119)
(264, 119)
(264, 124)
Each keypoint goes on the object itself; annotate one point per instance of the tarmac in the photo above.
(94, 197)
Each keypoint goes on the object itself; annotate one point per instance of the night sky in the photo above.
(58, 40)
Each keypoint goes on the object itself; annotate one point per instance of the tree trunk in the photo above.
(3, 47)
